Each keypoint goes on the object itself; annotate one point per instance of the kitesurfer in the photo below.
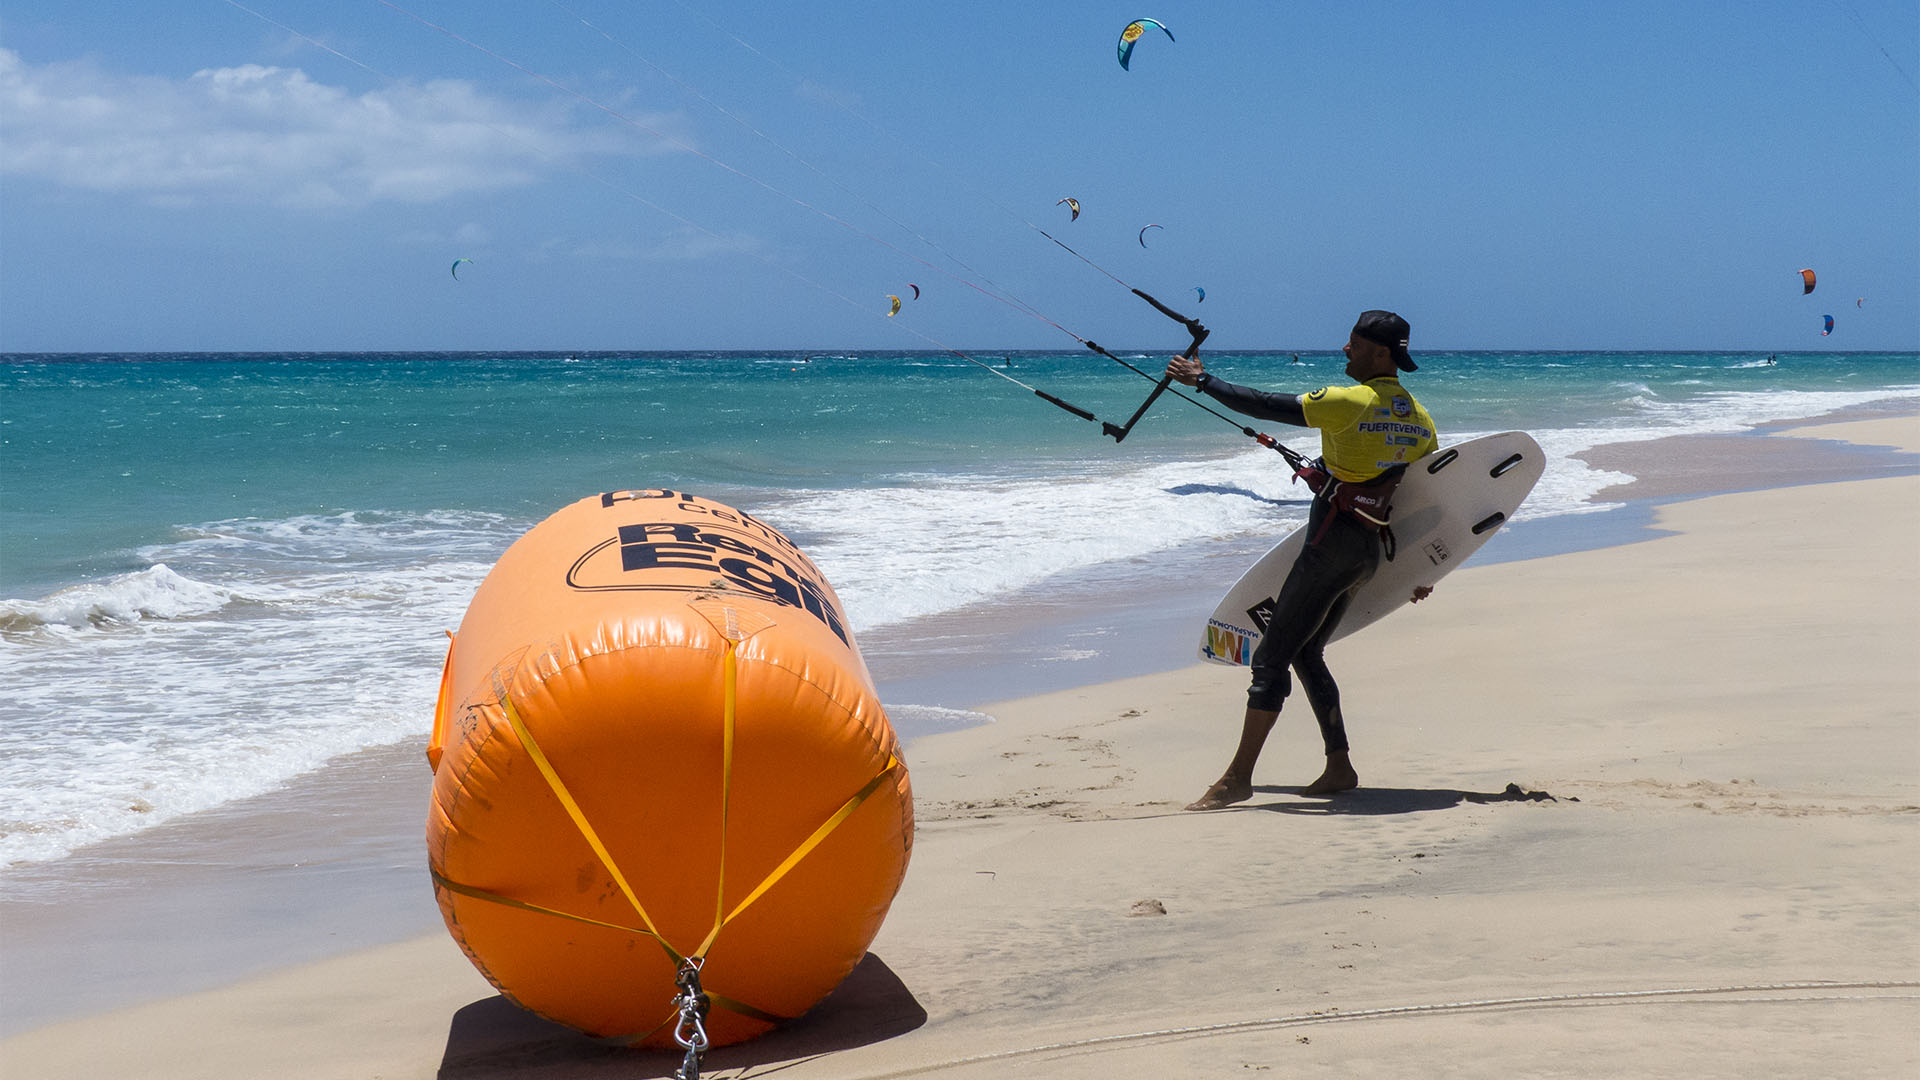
(1368, 434)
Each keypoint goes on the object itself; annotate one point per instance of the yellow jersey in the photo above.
(1369, 428)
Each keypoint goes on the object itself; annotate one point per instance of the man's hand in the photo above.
(1184, 371)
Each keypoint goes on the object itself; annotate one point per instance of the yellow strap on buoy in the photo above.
(806, 846)
(731, 633)
(729, 666)
(580, 821)
(507, 901)
(721, 1000)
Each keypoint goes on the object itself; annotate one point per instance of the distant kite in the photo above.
(1073, 204)
(1132, 34)
(895, 308)
(455, 268)
(1829, 328)
(1203, 294)
(1806, 282)
(1143, 233)
(915, 288)
(1862, 302)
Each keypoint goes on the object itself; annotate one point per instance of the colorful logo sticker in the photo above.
(1228, 643)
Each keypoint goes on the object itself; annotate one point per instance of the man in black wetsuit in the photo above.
(1368, 434)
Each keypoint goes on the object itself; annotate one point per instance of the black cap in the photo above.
(1386, 328)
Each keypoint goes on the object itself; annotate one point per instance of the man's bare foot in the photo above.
(1339, 776)
(1225, 792)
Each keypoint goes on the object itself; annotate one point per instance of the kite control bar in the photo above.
(1120, 431)
(1199, 333)
(1193, 326)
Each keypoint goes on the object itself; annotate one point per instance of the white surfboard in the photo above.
(1447, 505)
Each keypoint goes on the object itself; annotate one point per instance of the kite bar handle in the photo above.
(1074, 409)
(1194, 328)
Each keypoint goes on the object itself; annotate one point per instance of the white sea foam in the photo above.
(950, 541)
(275, 647)
(1570, 484)
(911, 721)
(154, 593)
(1737, 410)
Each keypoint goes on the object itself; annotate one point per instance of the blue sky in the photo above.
(300, 175)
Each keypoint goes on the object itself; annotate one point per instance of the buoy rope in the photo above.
(1389, 1012)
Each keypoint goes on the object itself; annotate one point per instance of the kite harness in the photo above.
(1371, 502)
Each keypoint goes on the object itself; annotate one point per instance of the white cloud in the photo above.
(680, 245)
(808, 90)
(272, 134)
(471, 236)
(694, 245)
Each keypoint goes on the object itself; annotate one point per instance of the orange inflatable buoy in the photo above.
(657, 745)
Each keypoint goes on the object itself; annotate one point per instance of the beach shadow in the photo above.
(1374, 802)
(1223, 489)
(493, 1037)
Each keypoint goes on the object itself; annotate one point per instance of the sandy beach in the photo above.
(1651, 809)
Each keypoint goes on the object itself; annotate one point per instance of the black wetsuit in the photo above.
(1341, 554)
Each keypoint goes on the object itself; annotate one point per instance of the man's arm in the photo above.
(1260, 404)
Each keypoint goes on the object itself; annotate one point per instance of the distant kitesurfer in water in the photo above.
(1368, 434)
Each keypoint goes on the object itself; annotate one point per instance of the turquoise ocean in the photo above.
(220, 572)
